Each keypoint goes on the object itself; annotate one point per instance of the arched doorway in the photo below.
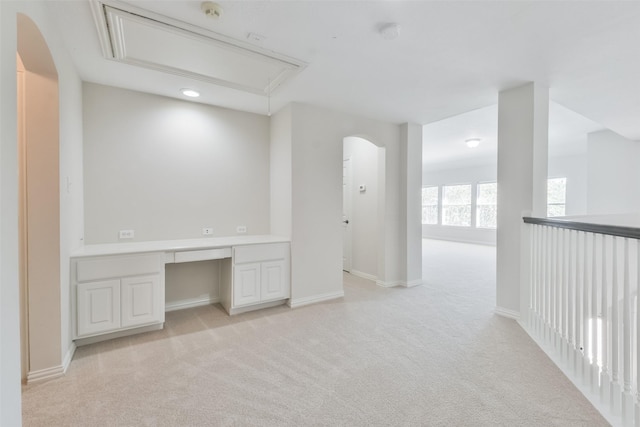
(39, 203)
(363, 207)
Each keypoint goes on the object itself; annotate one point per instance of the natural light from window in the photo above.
(429, 205)
(456, 205)
(556, 196)
(486, 205)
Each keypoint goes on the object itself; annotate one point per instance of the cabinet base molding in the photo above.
(363, 275)
(190, 303)
(299, 302)
(90, 340)
(252, 307)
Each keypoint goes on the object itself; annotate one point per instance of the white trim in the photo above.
(363, 275)
(68, 357)
(315, 299)
(412, 283)
(387, 284)
(45, 374)
(253, 307)
(508, 313)
(117, 334)
(190, 303)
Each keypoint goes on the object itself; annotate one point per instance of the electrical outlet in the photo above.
(207, 231)
(126, 234)
(241, 229)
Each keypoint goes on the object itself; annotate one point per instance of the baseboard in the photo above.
(387, 284)
(69, 357)
(190, 303)
(299, 302)
(363, 275)
(269, 304)
(45, 374)
(505, 312)
(412, 283)
(118, 334)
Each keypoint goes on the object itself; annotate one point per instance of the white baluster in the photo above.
(552, 286)
(559, 287)
(614, 398)
(585, 313)
(595, 368)
(637, 400)
(533, 276)
(605, 380)
(627, 403)
(573, 304)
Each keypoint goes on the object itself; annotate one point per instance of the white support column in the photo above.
(411, 185)
(523, 115)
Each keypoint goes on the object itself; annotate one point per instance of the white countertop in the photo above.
(174, 245)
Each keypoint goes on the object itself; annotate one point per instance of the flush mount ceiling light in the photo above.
(190, 93)
(472, 142)
(390, 31)
(211, 9)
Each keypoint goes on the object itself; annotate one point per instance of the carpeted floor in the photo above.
(433, 355)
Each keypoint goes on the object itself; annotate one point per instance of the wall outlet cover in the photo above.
(241, 229)
(207, 231)
(126, 234)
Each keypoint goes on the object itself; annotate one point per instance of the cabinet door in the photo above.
(98, 305)
(142, 300)
(274, 280)
(246, 284)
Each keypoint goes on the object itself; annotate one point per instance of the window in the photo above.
(487, 205)
(429, 205)
(556, 196)
(456, 205)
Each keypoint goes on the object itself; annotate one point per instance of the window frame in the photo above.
(470, 205)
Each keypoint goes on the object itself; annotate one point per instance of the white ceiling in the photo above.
(451, 57)
(444, 140)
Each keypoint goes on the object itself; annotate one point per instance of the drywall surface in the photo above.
(613, 176)
(167, 168)
(574, 168)
(280, 172)
(364, 204)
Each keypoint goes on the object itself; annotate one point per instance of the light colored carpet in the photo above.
(433, 355)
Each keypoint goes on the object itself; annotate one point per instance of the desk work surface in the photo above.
(174, 245)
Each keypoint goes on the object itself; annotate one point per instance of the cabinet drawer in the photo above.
(189, 256)
(118, 266)
(266, 252)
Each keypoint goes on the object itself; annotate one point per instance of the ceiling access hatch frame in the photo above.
(139, 37)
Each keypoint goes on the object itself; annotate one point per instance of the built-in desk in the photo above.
(118, 289)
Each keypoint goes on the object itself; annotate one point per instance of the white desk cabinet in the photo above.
(116, 293)
(259, 277)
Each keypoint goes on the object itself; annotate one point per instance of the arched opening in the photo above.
(363, 207)
(39, 200)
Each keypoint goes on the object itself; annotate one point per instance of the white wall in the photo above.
(316, 199)
(613, 175)
(70, 201)
(166, 168)
(469, 175)
(364, 205)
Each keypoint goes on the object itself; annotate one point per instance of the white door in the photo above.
(346, 214)
(98, 307)
(142, 300)
(246, 284)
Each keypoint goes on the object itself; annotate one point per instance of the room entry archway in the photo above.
(39, 203)
(363, 206)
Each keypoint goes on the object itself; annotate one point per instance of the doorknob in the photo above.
(346, 221)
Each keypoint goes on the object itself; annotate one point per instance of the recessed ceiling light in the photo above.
(190, 93)
(473, 142)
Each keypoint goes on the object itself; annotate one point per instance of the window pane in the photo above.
(429, 205)
(486, 205)
(556, 196)
(456, 205)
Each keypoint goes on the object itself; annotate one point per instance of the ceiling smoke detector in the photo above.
(390, 31)
(211, 9)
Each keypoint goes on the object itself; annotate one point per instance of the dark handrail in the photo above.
(612, 230)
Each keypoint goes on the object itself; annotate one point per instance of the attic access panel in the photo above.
(195, 53)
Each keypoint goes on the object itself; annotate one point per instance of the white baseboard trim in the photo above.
(412, 283)
(364, 275)
(45, 374)
(189, 303)
(256, 307)
(118, 334)
(505, 312)
(69, 357)
(387, 284)
(299, 302)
